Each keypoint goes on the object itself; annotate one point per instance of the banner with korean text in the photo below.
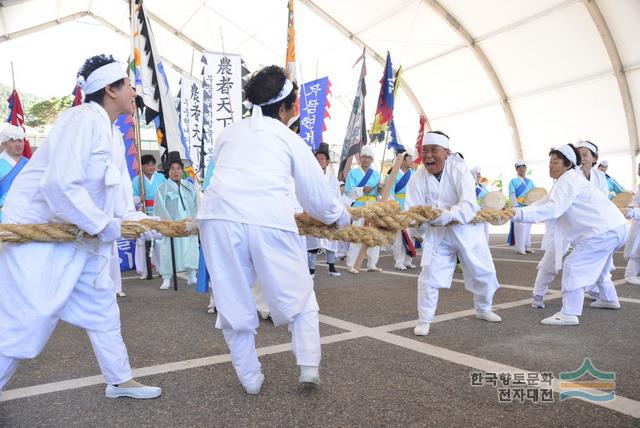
(221, 96)
(313, 110)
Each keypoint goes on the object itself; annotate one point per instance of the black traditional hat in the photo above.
(324, 148)
(174, 157)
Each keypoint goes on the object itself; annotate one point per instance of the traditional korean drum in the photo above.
(534, 195)
(622, 200)
(494, 200)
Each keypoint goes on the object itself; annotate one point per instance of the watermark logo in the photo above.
(588, 383)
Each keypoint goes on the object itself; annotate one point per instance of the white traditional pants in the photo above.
(239, 253)
(633, 268)
(258, 297)
(590, 261)
(313, 257)
(42, 283)
(141, 257)
(478, 269)
(373, 253)
(522, 235)
(400, 255)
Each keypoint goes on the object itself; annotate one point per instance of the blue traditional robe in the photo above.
(400, 186)
(150, 187)
(9, 170)
(354, 187)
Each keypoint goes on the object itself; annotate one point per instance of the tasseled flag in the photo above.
(384, 111)
(290, 63)
(151, 84)
(356, 135)
(77, 96)
(125, 123)
(16, 117)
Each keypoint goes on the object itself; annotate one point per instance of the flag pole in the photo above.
(13, 77)
(138, 143)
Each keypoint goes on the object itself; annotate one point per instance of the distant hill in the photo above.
(26, 99)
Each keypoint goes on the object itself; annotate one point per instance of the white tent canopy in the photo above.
(504, 78)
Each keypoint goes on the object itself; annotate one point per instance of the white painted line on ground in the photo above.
(620, 404)
(30, 391)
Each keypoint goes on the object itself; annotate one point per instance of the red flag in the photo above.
(77, 96)
(16, 117)
(418, 157)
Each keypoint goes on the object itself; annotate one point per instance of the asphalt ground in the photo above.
(374, 371)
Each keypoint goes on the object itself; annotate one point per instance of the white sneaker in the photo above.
(561, 319)
(255, 387)
(538, 301)
(374, 269)
(634, 280)
(132, 389)
(489, 316)
(312, 275)
(264, 314)
(603, 304)
(529, 251)
(192, 280)
(336, 274)
(121, 294)
(421, 329)
(211, 310)
(524, 253)
(410, 265)
(400, 266)
(309, 376)
(166, 284)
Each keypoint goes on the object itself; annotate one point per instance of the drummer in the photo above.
(632, 246)
(520, 233)
(586, 220)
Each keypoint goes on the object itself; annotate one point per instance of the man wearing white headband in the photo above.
(449, 186)
(362, 186)
(587, 220)
(78, 176)
(546, 272)
(520, 233)
(247, 216)
(11, 159)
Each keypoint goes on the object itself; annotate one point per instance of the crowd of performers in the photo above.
(246, 215)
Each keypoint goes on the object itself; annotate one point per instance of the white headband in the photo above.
(431, 138)
(520, 163)
(101, 77)
(256, 111)
(568, 152)
(284, 92)
(588, 145)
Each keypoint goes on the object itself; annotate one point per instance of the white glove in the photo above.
(632, 213)
(519, 215)
(444, 219)
(151, 235)
(344, 220)
(111, 232)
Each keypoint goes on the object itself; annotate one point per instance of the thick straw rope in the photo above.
(385, 217)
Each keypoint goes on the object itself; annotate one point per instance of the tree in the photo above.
(45, 112)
